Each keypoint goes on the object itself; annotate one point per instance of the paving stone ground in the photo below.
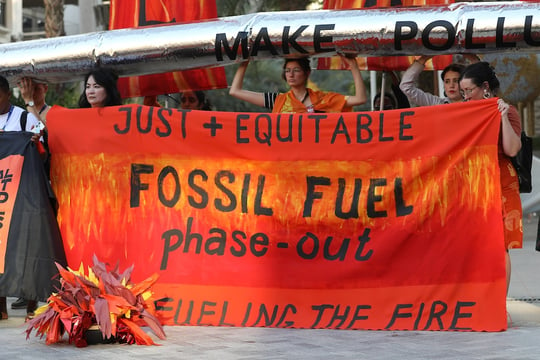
(521, 340)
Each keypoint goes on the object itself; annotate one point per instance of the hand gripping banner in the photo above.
(375, 220)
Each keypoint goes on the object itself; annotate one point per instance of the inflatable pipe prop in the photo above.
(457, 28)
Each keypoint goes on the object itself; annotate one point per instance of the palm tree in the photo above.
(54, 18)
(65, 94)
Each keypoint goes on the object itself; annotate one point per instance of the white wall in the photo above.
(13, 21)
(71, 20)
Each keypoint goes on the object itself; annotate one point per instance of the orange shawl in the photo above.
(320, 100)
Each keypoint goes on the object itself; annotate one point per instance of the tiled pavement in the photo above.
(520, 341)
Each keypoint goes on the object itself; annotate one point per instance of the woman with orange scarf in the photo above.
(301, 99)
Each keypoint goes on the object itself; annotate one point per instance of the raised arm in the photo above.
(360, 96)
(511, 140)
(255, 98)
(409, 84)
(26, 85)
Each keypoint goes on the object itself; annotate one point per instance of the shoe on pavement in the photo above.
(20, 303)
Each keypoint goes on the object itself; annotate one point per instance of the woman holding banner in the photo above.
(478, 81)
(301, 99)
(101, 89)
(450, 77)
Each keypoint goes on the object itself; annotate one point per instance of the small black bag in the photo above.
(537, 247)
(523, 164)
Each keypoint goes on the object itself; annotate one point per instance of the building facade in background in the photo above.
(25, 19)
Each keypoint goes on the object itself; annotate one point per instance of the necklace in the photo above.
(9, 115)
(305, 97)
(43, 108)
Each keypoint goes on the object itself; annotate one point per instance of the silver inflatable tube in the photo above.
(486, 27)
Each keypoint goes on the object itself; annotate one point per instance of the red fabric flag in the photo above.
(138, 13)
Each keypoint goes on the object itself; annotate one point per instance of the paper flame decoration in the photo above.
(100, 297)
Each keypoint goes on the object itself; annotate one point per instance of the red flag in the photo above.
(383, 63)
(138, 13)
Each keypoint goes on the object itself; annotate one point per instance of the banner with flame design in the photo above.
(374, 220)
(139, 13)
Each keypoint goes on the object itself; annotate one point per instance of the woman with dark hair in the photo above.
(450, 77)
(389, 101)
(194, 100)
(395, 99)
(101, 89)
(478, 81)
(300, 98)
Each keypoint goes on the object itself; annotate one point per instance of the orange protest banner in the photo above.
(374, 220)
